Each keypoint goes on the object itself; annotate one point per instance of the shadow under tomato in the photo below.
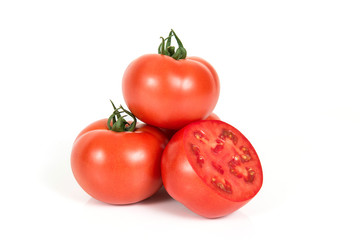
(164, 203)
(160, 202)
(160, 196)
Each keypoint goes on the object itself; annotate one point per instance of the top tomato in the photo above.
(165, 91)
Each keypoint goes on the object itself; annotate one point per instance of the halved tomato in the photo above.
(211, 168)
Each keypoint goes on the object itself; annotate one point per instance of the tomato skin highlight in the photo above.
(118, 167)
(169, 93)
(183, 183)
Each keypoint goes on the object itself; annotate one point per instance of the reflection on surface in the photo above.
(162, 203)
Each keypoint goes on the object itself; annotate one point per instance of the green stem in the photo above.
(162, 46)
(168, 42)
(171, 50)
(177, 39)
(119, 124)
(180, 53)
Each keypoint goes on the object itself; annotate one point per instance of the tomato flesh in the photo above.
(224, 159)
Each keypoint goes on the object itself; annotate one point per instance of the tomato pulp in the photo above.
(211, 168)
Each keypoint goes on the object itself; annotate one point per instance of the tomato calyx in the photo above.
(117, 123)
(168, 50)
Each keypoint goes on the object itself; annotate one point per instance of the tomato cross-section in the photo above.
(211, 168)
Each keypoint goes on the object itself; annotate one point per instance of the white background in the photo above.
(288, 70)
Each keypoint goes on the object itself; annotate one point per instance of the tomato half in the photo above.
(169, 93)
(118, 167)
(211, 168)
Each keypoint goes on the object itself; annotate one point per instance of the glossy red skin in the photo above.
(118, 168)
(211, 69)
(169, 93)
(184, 185)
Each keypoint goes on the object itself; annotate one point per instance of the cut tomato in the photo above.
(211, 168)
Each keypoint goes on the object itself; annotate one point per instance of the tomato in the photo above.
(211, 168)
(118, 167)
(170, 93)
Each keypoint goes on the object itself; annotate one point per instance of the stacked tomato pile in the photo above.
(204, 163)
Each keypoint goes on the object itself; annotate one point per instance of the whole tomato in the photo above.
(211, 168)
(170, 90)
(118, 162)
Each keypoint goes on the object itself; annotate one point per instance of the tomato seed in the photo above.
(195, 149)
(200, 160)
(234, 139)
(228, 187)
(233, 166)
(230, 135)
(251, 175)
(223, 186)
(217, 167)
(244, 149)
(245, 158)
(200, 135)
(218, 148)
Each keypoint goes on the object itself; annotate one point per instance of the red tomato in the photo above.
(118, 167)
(211, 168)
(169, 93)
